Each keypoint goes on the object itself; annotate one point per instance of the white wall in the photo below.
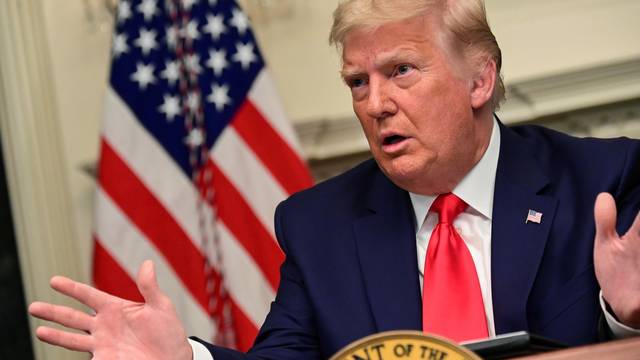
(545, 37)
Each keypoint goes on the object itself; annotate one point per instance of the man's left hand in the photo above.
(617, 262)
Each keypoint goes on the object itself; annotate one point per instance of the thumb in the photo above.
(148, 284)
(605, 214)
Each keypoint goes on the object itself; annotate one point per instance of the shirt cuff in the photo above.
(619, 330)
(200, 352)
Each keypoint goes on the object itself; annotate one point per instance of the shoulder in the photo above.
(544, 136)
(342, 191)
(325, 213)
(559, 148)
(582, 167)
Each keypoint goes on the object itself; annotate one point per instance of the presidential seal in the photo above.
(404, 345)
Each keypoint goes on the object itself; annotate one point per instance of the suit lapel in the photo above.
(385, 241)
(517, 247)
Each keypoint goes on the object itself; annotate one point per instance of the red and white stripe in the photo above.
(144, 196)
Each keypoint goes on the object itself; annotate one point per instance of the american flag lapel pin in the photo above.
(533, 216)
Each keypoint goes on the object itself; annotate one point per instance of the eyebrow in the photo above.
(395, 56)
(349, 74)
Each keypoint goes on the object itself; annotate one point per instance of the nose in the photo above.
(379, 102)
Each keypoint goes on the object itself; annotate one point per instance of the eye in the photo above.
(356, 82)
(402, 69)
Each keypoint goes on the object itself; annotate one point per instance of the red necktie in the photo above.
(451, 298)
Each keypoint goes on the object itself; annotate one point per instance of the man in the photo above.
(512, 248)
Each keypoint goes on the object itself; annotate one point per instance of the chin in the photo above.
(404, 175)
(415, 177)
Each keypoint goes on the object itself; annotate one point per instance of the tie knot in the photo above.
(448, 206)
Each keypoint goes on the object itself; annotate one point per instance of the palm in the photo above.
(130, 330)
(617, 262)
(120, 329)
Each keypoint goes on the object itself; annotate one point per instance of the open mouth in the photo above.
(393, 139)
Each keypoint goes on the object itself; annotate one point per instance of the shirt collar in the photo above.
(476, 188)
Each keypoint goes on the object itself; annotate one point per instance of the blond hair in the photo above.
(466, 20)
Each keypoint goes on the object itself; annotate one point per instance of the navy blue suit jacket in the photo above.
(351, 265)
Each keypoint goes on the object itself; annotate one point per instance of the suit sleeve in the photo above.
(628, 193)
(289, 329)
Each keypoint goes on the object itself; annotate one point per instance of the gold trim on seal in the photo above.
(404, 345)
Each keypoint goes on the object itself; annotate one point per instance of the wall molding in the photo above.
(573, 90)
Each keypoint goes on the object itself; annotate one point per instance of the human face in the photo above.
(413, 97)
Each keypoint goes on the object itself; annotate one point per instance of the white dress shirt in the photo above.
(474, 226)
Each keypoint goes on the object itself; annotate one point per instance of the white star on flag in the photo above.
(172, 36)
(187, 4)
(215, 26)
(124, 11)
(219, 96)
(119, 45)
(171, 72)
(240, 21)
(148, 8)
(195, 138)
(143, 75)
(190, 31)
(244, 55)
(147, 41)
(192, 63)
(193, 101)
(217, 61)
(170, 107)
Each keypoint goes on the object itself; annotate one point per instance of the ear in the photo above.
(483, 84)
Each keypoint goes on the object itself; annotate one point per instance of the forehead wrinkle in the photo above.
(400, 54)
(408, 47)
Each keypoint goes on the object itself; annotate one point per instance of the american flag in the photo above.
(534, 216)
(195, 154)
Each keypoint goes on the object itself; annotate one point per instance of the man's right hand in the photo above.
(120, 329)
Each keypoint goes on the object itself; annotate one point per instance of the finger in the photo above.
(68, 340)
(605, 214)
(148, 284)
(86, 294)
(62, 315)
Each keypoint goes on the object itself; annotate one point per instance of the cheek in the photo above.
(457, 97)
(358, 108)
(445, 111)
(438, 123)
(367, 127)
